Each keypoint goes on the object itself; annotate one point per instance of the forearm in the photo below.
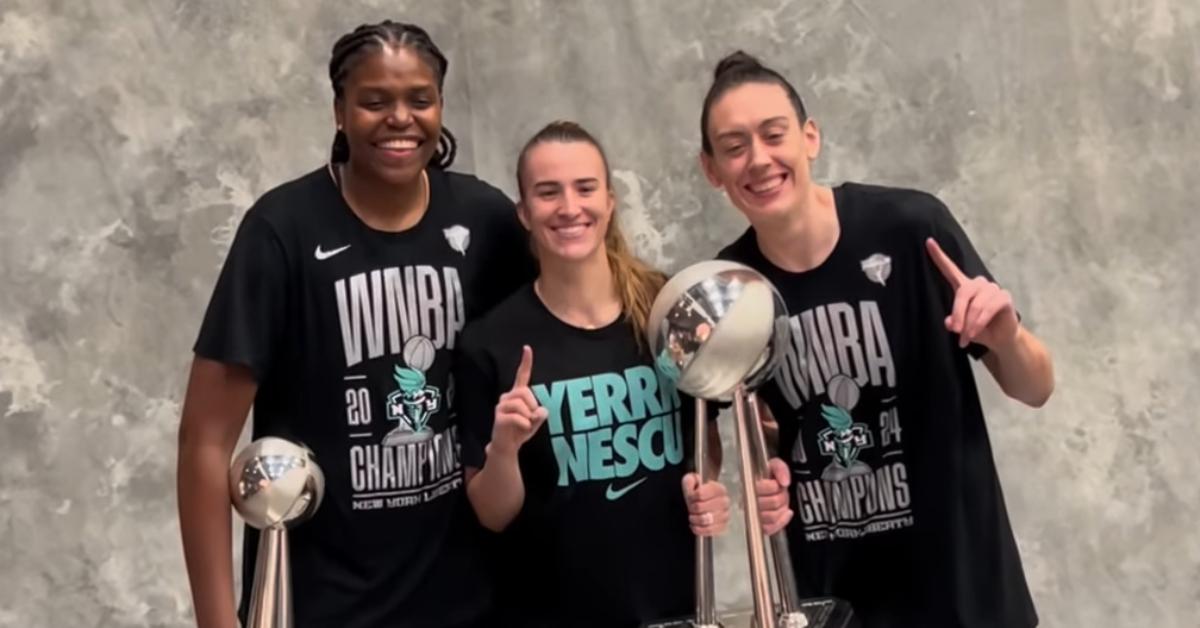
(204, 520)
(497, 491)
(1023, 369)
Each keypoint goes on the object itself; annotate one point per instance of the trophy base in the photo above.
(820, 612)
(400, 436)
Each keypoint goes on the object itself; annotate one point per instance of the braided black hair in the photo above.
(375, 36)
(736, 69)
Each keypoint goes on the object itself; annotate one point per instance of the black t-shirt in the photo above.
(602, 538)
(351, 333)
(898, 508)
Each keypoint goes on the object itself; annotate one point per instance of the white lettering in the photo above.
(380, 310)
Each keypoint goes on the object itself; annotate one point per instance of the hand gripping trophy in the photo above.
(718, 328)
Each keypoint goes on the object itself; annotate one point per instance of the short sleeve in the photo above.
(476, 395)
(246, 315)
(953, 239)
(511, 263)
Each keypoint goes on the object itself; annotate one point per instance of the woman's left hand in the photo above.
(708, 505)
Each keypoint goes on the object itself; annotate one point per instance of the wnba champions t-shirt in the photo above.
(602, 539)
(351, 334)
(898, 508)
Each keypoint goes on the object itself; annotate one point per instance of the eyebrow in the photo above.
(387, 89)
(556, 184)
(740, 133)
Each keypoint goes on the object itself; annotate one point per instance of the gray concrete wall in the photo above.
(1063, 133)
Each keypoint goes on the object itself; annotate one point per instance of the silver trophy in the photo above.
(275, 485)
(717, 328)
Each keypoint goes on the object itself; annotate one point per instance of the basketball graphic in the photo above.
(419, 353)
(414, 402)
(843, 392)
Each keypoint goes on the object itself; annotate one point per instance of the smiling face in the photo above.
(761, 151)
(391, 112)
(566, 203)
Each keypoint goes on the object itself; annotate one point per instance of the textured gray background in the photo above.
(1061, 132)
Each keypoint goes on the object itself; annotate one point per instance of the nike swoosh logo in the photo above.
(618, 494)
(324, 255)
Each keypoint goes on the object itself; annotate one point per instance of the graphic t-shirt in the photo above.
(351, 333)
(602, 539)
(898, 508)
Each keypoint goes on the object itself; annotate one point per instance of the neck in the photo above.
(581, 294)
(382, 205)
(804, 238)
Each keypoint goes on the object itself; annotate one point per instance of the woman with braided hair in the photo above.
(335, 318)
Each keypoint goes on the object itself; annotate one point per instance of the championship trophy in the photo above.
(718, 328)
(275, 485)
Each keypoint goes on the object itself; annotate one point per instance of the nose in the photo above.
(759, 158)
(571, 205)
(400, 116)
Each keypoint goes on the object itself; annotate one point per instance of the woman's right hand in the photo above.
(772, 493)
(518, 414)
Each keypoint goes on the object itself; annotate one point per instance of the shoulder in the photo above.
(290, 201)
(472, 193)
(267, 229)
(741, 249)
(892, 208)
(473, 201)
(504, 321)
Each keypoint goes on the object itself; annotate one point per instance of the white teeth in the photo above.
(399, 144)
(767, 186)
(572, 231)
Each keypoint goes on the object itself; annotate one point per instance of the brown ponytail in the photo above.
(636, 281)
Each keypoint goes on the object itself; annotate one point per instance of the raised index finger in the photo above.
(946, 265)
(524, 368)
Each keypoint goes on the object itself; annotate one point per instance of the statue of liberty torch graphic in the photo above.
(414, 402)
(843, 439)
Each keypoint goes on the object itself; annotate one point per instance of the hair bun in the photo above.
(736, 60)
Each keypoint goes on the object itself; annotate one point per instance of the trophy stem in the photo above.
(760, 585)
(271, 596)
(706, 603)
(785, 576)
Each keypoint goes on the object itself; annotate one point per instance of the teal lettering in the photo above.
(580, 402)
(610, 392)
(552, 401)
(572, 458)
(650, 459)
(599, 454)
(673, 437)
(625, 444)
(643, 389)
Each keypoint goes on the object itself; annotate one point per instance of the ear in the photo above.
(339, 118)
(710, 169)
(523, 214)
(812, 139)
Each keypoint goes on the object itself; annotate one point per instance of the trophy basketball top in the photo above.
(717, 325)
(275, 483)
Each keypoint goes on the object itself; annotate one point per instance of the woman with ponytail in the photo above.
(335, 318)
(576, 447)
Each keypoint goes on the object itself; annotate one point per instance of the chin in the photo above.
(574, 254)
(398, 173)
(767, 213)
